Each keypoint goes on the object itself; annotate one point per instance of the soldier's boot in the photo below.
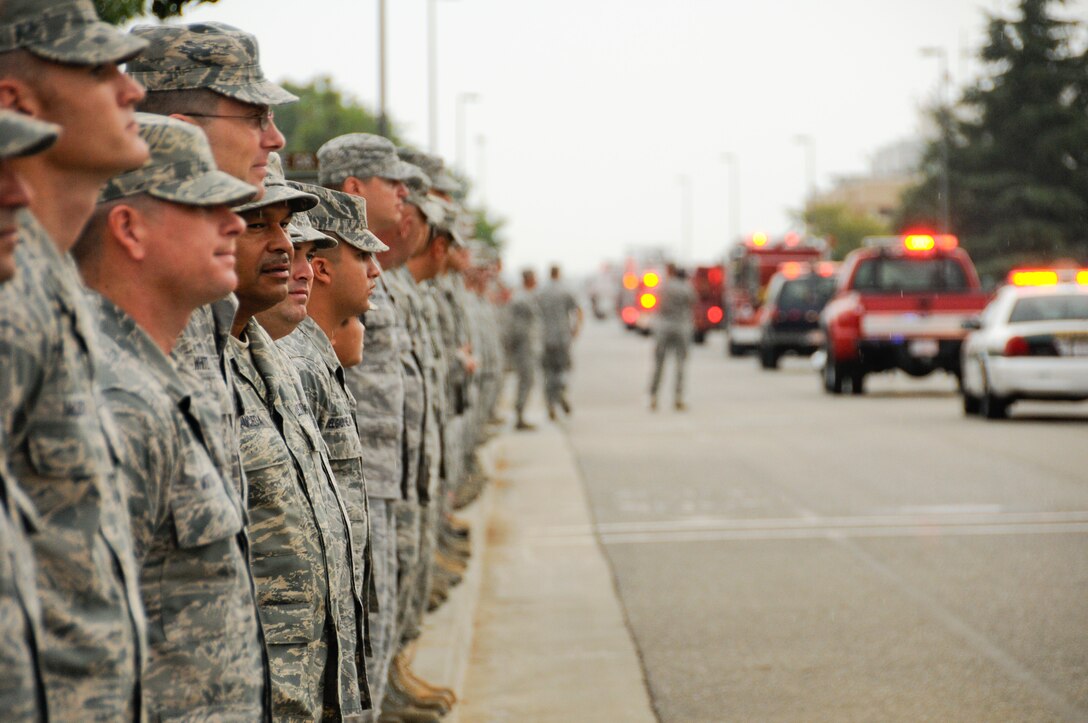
(523, 426)
(448, 562)
(653, 402)
(551, 412)
(429, 690)
(456, 546)
(452, 577)
(440, 592)
(680, 406)
(564, 403)
(458, 527)
(401, 694)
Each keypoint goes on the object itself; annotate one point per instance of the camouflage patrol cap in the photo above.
(434, 167)
(360, 155)
(21, 135)
(344, 215)
(63, 31)
(302, 230)
(450, 223)
(181, 168)
(417, 181)
(482, 253)
(431, 207)
(277, 190)
(215, 56)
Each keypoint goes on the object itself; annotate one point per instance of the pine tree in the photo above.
(1019, 147)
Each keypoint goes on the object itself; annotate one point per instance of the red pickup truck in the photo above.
(900, 304)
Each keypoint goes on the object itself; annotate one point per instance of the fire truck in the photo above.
(901, 304)
(709, 283)
(643, 274)
(751, 266)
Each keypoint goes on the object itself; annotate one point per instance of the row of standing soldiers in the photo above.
(237, 410)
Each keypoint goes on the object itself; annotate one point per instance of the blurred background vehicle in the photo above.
(751, 266)
(709, 283)
(643, 272)
(1031, 342)
(789, 320)
(900, 304)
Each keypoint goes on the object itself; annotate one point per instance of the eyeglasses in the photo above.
(263, 120)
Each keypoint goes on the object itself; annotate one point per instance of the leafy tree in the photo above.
(1018, 147)
(120, 11)
(844, 229)
(489, 229)
(322, 113)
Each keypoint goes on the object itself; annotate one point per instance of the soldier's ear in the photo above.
(322, 270)
(128, 229)
(353, 186)
(20, 97)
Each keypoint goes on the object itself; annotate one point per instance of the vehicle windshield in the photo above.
(811, 292)
(911, 275)
(1059, 307)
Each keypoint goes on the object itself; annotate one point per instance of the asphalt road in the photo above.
(783, 555)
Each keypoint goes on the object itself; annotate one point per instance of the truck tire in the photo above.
(768, 356)
(857, 382)
(834, 374)
(734, 350)
(992, 406)
(699, 336)
(971, 404)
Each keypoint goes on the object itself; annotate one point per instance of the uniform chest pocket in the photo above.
(260, 443)
(202, 508)
(65, 438)
(343, 438)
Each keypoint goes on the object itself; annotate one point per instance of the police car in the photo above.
(1031, 342)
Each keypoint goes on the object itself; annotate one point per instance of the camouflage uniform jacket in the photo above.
(557, 308)
(447, 325)
(206, 656)
(378, 387)
(61, 446)
(301, 539)
(414, 355)
(333, 406)
(21, 690)
(199, 357)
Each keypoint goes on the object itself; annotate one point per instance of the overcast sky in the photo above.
(592, 110)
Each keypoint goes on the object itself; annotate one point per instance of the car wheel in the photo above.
(971, 404)
(992, 406)
(857, 382)
(768, 357)
(833, 375)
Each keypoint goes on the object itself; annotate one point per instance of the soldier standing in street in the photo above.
(21, 694)
(561, 319)
(672, 334)
(524, 340)
(59, 63)
(160, 245)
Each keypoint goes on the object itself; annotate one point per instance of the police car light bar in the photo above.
(917, 242)
(1048, 277)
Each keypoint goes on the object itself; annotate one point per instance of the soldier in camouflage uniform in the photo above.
(209, 74)
(560, 321)
(343, 279)
(524, 341)
(59, 440)
(22, 696)
(206, 656)
(388, 388)
(303, 559)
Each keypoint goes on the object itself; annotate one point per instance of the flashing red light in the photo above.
(714, 275)
(946, 242)
(629, 315)
(630, 281)
(825, 268)
(1034, 277)
(792, 239)
(647, 301)
(714, 314)
(791, 269)
(759, 239)
(1017, 346)
(929, 242)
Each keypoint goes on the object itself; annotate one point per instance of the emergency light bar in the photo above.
(1048, 277)
(916, 242)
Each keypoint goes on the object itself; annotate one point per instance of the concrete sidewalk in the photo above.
(535, 632)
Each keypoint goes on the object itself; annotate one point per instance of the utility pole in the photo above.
(686, 254)
(731, 162)
(944, 117)
(459, 157)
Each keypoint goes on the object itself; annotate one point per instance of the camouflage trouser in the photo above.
(673, 342)
(408, 514)
(525, 368)
(453, 451)
(421, 588)
(383, 621)
(555, 362)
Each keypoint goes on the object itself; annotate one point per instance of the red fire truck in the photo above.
(709, 283)
(751, 266)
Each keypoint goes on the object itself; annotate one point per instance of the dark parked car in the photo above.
(789, 321)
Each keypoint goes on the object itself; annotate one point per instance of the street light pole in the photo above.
(685, 218)
(810, 163)
(944, 117)
(480, 153)
(383, 116)
(462, 99)
(731, 163)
